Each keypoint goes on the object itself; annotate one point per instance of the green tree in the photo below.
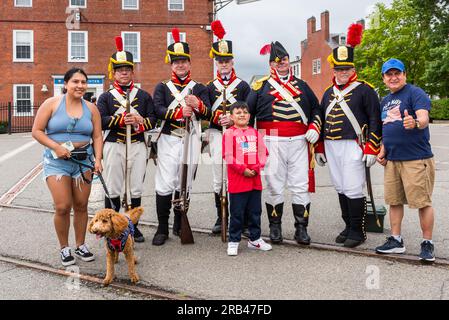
(412, 31)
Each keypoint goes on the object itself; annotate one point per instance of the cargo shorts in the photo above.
(409, 182)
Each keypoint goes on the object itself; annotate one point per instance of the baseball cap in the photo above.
(393, 64)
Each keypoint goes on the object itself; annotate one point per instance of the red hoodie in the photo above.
(244, 149)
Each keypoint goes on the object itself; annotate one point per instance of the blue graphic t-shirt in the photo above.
(401, 144)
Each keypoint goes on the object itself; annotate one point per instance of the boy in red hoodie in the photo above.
(245, 154)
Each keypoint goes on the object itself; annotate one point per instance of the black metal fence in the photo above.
(16, 118)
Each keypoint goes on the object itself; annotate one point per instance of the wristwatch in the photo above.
(417, 125)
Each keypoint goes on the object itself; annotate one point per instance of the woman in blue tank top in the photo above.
(61, 124)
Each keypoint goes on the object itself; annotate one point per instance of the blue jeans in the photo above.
(61, 167)
(240, 203)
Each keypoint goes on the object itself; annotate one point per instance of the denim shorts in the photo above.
(61, 167)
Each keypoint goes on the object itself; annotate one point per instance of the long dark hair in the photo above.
(69, 74)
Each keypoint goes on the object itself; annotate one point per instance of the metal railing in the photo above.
(16, 118)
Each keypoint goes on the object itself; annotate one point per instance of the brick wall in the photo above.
(103, 20)
(316, 47)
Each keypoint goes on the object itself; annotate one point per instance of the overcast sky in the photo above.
(252, 25)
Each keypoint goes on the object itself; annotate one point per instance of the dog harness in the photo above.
(119, 243)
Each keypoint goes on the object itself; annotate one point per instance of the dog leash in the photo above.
(100, 176)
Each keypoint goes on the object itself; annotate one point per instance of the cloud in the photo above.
(253, 25)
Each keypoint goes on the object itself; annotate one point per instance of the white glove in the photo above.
(370, 159)
(312, 136)
(320, 158)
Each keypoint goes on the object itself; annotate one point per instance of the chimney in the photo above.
(311, 26)
(325, 25)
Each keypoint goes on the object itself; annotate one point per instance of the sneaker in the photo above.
(138, 236)
(259, 244)
(427, 252)
(233, 248)
(84, 254)
(391, 246)
(66, 257)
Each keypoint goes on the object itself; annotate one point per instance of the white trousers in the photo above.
(114, 168)
(287, 165)
(215, 147)
(169, 164)
(346, 168)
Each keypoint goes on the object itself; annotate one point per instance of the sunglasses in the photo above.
(72, 124)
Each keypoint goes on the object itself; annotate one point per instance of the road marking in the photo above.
(17, 189)
(11, 154)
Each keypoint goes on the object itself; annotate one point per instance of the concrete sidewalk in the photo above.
(204, 271)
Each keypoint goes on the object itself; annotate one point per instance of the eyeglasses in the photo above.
(72, 124)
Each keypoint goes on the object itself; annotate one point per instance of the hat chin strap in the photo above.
(281, 76)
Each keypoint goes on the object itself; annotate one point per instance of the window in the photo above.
(23, 99)
(176, 5)
(342, 40)
(23, 46)
(316, 66)
(78, 46)
(23, 3)
(170, 40)
(78, 4)
(130, 4)
(131, 43)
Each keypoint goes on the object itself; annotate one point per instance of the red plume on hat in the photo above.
(119, 43)
(266, 49)
(355, 32)
(218, 29)
(175, 34)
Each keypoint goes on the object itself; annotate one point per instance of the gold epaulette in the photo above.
(328, 87)
(258, 83)
(367, 83)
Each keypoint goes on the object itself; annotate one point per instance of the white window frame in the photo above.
(69, 48)
(135, 59)
(128, 8)
(14, 47)
(75, 6)
(316, 66)
(23, 6)
(23, 114)
(182, 37)
(168, 5)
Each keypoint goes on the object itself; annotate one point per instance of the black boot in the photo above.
(177, 217)
(357, 213)
(163, 206)
(301, 214)
(138, 236)
(344, 206)
(275, 219)
(115, 205)
(216, 229)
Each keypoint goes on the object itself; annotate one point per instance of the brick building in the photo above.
(315, 69)
(42, 39)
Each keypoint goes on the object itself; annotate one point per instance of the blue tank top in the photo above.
(61, 127)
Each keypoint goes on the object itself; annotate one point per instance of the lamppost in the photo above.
(220, 4)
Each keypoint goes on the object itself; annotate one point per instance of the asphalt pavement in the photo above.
(203, 270)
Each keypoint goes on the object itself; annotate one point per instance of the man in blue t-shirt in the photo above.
(407, 156)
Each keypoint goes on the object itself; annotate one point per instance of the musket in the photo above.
(186, 234)
(126, 204)
(369, 185)
(224, 183)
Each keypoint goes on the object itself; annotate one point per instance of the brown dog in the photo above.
(116, 228)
